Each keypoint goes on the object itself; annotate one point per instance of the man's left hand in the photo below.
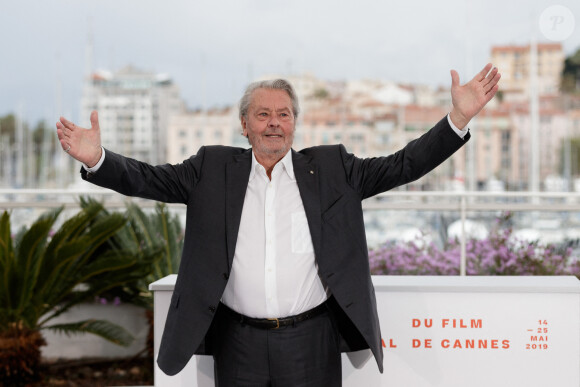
(469, 99)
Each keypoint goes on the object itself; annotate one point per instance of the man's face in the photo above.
(269, 124)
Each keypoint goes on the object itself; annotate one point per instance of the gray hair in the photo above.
(273, 84)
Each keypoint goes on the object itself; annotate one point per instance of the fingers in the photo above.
(490, 94)
(66, 123)
(454, 78)
(64, 134)
(65, 146)
(62, 131)
(490, 75)
(94, 119)
(481, 76)
(62, 137)
(493, 80)
(79, 142)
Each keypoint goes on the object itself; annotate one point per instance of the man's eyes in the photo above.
(266, 114)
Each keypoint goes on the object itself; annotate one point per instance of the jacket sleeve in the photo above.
(372, 176)
(166, 183)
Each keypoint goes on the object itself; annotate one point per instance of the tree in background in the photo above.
(8, 129)
(574, 156)
(45, 273)
(155, 238)
(28, 150)
(571, 74)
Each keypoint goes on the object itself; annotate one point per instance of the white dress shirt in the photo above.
(274, 273)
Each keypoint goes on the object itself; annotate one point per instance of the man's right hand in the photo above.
(82, 144)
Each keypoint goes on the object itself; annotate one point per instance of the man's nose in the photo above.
(274, 121)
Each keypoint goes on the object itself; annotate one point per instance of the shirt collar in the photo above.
(286, 162)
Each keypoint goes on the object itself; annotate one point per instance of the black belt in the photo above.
(274, 323)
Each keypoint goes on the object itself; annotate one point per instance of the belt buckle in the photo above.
(277, 322)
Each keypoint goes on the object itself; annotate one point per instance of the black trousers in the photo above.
(304, 355)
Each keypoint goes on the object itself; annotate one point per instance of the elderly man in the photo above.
(274, 280)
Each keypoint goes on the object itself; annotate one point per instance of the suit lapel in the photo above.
(237, 175)
(306, 173)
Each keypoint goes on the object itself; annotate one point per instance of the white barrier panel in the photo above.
(449, 331)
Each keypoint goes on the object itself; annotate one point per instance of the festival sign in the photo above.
(449, 332)
(475, 331)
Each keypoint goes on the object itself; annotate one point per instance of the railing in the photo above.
(470, 202)
(564, 207)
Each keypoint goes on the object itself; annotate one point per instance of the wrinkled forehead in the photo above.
(271, 99)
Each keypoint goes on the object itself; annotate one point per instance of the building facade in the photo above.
(188, 131)
(134, 110)
(514, 63)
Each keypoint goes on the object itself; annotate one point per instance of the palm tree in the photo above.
(149, 237)
(160, 232)
(44, 275)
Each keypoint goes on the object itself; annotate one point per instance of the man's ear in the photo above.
(244, 124)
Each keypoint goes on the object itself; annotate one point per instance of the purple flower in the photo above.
(499, 254)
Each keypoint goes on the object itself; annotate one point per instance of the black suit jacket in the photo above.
(332, 184)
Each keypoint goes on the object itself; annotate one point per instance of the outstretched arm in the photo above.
(470, 98)
(82, 144)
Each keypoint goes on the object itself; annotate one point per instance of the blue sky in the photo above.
(212, 49)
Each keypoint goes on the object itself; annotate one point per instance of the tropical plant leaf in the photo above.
(142, 225)
(170, 229)
(111, 261)
(30, 256)
(40, 274)
(72, 228)
(5, 238)
(52, 276)
(6, 260)
(155, 240)
(102, 230)
(105, 329)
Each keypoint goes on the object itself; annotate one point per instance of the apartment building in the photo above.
(496, 148)
(514, 64)
(553, 131)
(188, 131)
(370, 118)
(377, 118)
(134, 109)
